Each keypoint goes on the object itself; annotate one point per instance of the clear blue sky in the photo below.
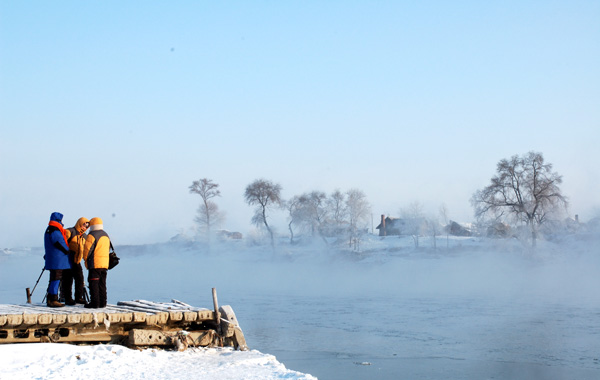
(112, 108)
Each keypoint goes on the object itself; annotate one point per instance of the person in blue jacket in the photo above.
(56, 257)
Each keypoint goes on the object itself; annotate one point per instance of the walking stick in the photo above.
(61, 296)
(86, 297)
(29, 294)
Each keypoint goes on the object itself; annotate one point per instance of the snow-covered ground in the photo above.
(64, 361)
(470, 308)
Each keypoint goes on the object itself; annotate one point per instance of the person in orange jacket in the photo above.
(95, 254)
(76, 238)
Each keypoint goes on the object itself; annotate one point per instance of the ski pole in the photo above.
(29, 294)
(86, 297)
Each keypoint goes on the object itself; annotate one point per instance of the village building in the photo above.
(390, 226)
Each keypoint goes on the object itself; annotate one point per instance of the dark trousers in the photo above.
(55, 277)
(97, 282)
(75, 274)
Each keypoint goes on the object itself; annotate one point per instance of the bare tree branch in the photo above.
(525, 188)
(263, 194)
(208, 212)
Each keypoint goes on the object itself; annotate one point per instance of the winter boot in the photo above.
(67, 297)
(94, 293)
(70, 302)
(53, 301)
(81, 301)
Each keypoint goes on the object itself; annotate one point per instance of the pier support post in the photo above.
(217, 314)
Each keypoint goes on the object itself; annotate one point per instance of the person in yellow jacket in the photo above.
(95, 255)
(76, 239)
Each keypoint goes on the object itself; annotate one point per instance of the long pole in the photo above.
(29, 294)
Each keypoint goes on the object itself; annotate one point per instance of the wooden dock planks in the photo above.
(125, 321)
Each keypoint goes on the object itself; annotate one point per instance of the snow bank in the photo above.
(65, 361)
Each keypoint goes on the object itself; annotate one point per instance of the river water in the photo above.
(426, 338)
(468, 315)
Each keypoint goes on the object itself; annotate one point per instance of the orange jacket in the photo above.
(76, 239)
(97, 246)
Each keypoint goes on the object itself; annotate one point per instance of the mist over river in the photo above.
(475, 310)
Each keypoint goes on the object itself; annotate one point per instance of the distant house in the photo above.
(224, 234)
(390, 226)
(456, 229)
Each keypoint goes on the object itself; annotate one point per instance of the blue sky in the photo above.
(112, 109)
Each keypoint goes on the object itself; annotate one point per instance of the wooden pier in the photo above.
(131, 323)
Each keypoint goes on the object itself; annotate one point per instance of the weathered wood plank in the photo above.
(139, 337)
(190, 316)
(175, 316)
(126, 317)
(44, 319)
(29, 320)
(230, 325)
(87, 318)
(59, 319)
(14, 320)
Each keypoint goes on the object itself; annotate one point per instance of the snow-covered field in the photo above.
(471, 308)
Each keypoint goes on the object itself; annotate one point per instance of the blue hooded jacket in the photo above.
(57, 251)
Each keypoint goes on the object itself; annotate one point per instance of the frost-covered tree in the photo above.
(524, 189)
(433, 228)
(415, 223)
(358, 210)
(313, 213)
(336, 205)
(443, 211)
(295, 214)
(208, 212)
(264, 195)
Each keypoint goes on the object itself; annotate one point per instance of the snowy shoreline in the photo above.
(65, 361)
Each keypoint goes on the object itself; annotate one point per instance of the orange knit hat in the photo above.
(96, 224)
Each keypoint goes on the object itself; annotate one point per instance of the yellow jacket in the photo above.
(76, 239)
(97, 246)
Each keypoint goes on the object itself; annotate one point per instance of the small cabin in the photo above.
(390, 226)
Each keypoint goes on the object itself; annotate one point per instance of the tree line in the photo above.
(320, 214)
(524, 190)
